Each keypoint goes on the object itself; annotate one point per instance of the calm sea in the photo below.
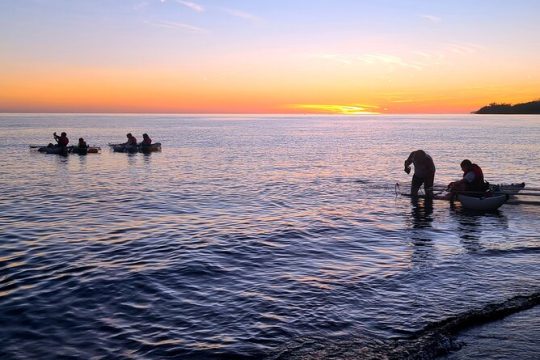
(261, 237)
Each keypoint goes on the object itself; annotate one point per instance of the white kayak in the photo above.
(488, 203)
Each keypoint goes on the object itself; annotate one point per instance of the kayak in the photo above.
(136, 148)
(67, 150)
(509, 189)
(483, 203)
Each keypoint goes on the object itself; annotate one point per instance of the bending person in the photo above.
(424, 172)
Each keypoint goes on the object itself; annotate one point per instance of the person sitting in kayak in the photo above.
(146, 140)
(82, 144)
(424, 172)
(61, 140)
(472, 181)
(132, 141)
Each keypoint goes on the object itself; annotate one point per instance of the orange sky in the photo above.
(415, 62)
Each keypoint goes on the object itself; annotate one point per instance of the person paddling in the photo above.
(424, 172)
(61, 140)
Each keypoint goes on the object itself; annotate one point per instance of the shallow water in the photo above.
(253, 236)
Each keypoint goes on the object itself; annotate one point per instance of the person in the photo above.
(146, 140)
(82, 147)
(61, 140)
(132, 141)
(424, 172)
(472, 181)
(82, 144)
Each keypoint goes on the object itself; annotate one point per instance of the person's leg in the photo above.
(428, 185)
(415, 185)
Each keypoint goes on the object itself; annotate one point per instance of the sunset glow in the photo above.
(343, 57)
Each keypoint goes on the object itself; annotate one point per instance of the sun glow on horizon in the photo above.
(337, 109)
(266, 57)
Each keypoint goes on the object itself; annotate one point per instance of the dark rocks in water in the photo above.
(435, 340)
(532, 107)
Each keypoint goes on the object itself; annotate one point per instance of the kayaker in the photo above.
(424, 172)
(472, 181)
(146, 140)
(132, 141)
(61, 140)
(82, 144)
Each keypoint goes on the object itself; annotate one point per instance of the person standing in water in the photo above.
(424, 172)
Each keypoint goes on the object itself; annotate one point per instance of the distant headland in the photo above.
(532, 107)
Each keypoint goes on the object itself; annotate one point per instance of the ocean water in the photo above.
(255, 237)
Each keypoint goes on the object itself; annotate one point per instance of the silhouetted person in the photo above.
(146, 140)
(61, 140)
(424, 172)
(472, 181)
(82, 147)
(82, 144)
(132, 141)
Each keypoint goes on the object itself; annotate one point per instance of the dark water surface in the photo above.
(252, 237)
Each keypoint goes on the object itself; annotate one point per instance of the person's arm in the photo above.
(408, 163)
(469, 177)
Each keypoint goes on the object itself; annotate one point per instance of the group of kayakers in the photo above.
(62, 141)
(424, 174)
(132, 141)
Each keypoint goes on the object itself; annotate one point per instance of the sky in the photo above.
(267, 56)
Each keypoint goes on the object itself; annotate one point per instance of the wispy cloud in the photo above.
(463, 48)
(140, 6)
(431, 18)
(243, 15)
(388, 60)
(193, 6)
(371, 59)
(177, 26)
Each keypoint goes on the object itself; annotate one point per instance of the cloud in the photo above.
(431, 18)
(388, 60)
(193, 6)
(371, 59)
(243, 15)
(178, 26)
(463, 48)
(140, 6)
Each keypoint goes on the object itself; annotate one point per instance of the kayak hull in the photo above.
(136, 148)
(67, 150)
(490, 203)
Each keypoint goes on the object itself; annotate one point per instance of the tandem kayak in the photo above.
(67, 150)
(136, 148)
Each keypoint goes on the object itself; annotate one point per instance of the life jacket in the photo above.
(478, 182)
